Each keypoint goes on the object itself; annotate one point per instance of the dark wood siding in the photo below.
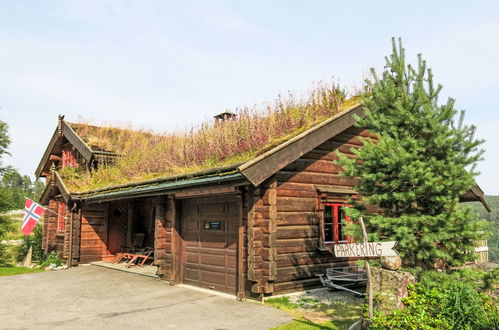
(297, 241)
(210, 255)
(53, 241)
(93, 235)
(118, 219)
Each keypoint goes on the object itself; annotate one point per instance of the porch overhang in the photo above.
(164, 188)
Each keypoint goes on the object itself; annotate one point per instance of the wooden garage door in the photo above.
(209, 230)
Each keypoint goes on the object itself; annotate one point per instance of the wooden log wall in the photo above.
(299, 253)
(76, 240)
(160, 236)
(261, 238)
(93, 232)
(45, 229)
(52, 241)
(166, 246)
(67, 233)
(247, 200)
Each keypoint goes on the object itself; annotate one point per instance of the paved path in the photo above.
(91, 297)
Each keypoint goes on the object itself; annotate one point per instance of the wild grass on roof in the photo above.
(210, 144)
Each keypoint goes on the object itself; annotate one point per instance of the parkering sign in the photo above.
(371, 249)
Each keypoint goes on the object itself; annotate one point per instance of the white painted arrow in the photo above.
(370, 249)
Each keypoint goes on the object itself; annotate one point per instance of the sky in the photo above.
(166, 65)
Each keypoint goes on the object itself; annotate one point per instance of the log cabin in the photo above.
(260, 227)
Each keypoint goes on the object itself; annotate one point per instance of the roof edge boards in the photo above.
(77, 141)
(162, 188)
(211, 171)
(55, 182)
(46, 154)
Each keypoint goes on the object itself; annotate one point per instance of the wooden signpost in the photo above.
(368, 250)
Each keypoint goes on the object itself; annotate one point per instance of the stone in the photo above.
(49, 267)
(389, 288)
(28, 258)
(391, 263)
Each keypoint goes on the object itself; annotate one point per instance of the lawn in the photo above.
(312, 314)
(13, 270)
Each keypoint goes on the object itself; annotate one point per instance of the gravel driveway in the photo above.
(91, 297)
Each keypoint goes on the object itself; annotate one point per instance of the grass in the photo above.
(312, 314)
(147, 155)
(305, 325)
(13, 270)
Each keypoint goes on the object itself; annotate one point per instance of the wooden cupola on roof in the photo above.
(226, 115)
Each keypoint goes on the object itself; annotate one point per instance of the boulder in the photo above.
(391, 263)
(389, 287)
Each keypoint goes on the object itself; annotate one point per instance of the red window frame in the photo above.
(69, 158)
(336, 215)
(61, 217)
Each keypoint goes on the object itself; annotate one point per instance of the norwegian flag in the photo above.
(32, 214)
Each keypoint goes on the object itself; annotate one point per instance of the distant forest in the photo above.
(493, 219)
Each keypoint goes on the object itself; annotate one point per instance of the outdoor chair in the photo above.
(140, 258)
(128, 251)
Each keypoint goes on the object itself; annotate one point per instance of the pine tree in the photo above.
(423, 160)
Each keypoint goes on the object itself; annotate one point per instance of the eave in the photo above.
(46, 154)
(64, 130)
(475, 194)
(55, 182)
(216, 177)
(77, 141)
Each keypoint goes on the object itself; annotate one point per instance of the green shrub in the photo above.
(444, 301)
(5, 227)
(52, 258)
(35, 241)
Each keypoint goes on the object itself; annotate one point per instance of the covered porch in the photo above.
(109, 229)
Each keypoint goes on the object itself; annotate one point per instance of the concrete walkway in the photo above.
(144, 270)
(90, 297)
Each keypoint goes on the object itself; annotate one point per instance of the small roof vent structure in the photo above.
(226, 115)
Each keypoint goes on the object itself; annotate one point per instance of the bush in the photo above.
(444, 301)
(52, 258)
(35, 241)
(5, 227)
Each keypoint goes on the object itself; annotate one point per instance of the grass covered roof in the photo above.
(148, 155)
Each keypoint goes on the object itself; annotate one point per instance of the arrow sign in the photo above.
(371, 249)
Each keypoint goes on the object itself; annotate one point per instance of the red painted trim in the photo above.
(61, 217)
(336, 220)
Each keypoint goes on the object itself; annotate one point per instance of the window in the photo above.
(61, 217)
(334, 222)
(69, 158)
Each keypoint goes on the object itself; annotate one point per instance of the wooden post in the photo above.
(240, 252)
(129, 225)
(368, 269)
(70, 248)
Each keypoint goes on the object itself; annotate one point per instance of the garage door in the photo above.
(209, 230)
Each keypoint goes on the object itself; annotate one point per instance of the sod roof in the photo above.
(145, 155)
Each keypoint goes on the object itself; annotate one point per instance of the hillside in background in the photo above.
(493, 219)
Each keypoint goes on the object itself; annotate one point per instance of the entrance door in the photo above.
(117, 227)
(209, 230)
